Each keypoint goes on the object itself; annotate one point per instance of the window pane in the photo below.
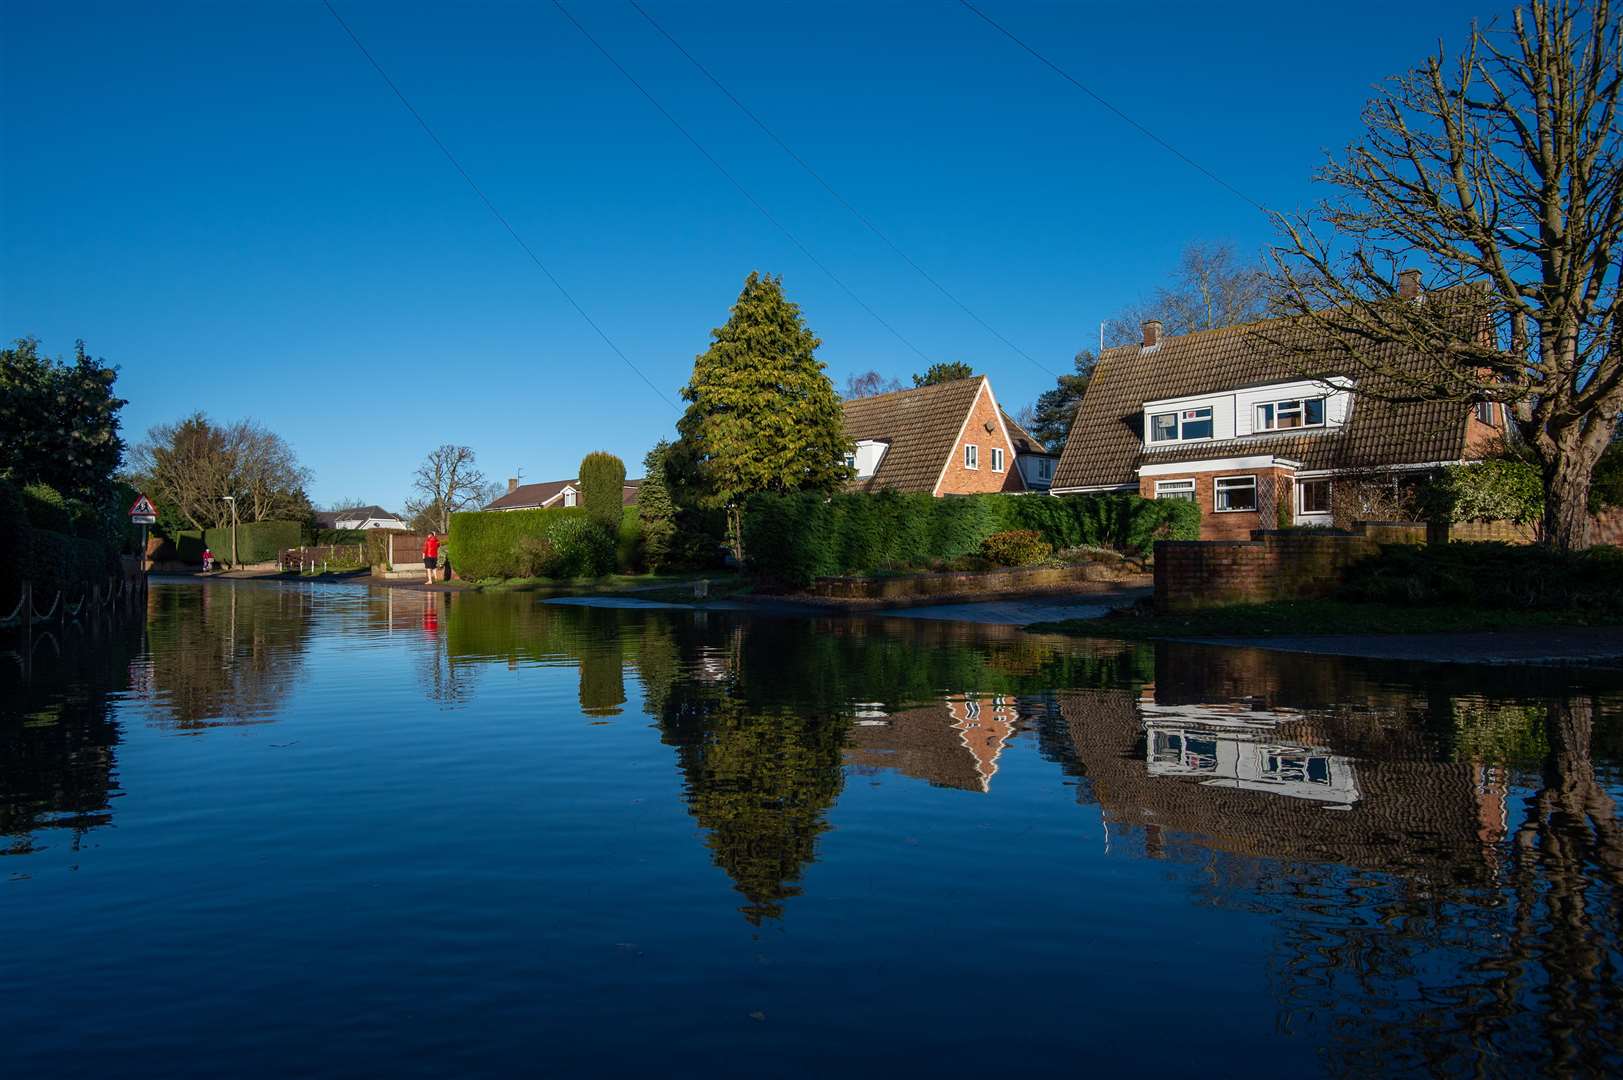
(1315, 496)
(1197, 424)
(1265, 417)
(1236, 493)
(1314, 410)
(1163, 426)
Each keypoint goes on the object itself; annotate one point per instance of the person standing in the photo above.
(431, 556)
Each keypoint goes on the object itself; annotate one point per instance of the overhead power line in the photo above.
(1146, 132)
(841, 199)
(742, 190)
(497, 214)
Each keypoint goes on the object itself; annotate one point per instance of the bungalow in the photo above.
(359, 517)
(552, 493)
(1224, 418)
(949, 438)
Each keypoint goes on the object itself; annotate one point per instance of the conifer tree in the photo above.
(602, 488)
(762, 415)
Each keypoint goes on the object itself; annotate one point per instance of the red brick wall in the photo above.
(958, 480)
(1191, 574)
(1274, 489)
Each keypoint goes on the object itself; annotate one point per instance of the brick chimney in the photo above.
(1409, 284)
(512, 484)
(1152, 333)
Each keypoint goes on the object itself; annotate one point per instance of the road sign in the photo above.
(143, 512)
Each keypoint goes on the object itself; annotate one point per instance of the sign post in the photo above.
(143, 513)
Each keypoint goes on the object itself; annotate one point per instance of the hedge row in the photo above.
(560, 542)
(257, 541)
(50, 559)
(793, 539)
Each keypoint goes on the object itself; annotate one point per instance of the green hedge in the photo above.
(560, 542)
(257, 542)
(51, 559)
(793, 539)
(1490, 575)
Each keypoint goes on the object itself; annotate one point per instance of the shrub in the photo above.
(792, 539)
(1016, 547)
(602, 488)
(1490, 575)
(628, 551)
(1606, 483)
(1495, 489)
(257, 541)
(656, 510)
(46, 508)
(487, 544)
(536, 557)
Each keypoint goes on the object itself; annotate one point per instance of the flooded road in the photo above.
(329, 830)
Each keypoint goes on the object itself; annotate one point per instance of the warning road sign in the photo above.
(143, 512)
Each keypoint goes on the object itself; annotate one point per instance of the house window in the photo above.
(569, 498)
(1232, 494)
(1175, 489)
(1296, 413)
(1045, 468)
(850, 461)
(1313, 497)
(1181, 426)
(972, 456)
(1484, 412)
(997, 459)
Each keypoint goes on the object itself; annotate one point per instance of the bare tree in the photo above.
(1499, 175)
(1212, 287)
(448, 481)
(869, 384)
(267, 478)
(192, 465)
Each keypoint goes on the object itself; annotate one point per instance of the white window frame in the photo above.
(1489, 419)
(1177, 489)
(1210, 418)
(972, 456)
(1299, 406)
(1301, 508)
(997, 459)
(1045, 468)
(851, 462)
(569, 497)
(1256, 495)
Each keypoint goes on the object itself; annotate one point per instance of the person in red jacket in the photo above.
(431, 556)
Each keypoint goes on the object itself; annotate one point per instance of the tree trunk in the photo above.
(1566, 499)
(735, 532)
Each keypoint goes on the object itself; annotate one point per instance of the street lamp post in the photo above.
(232, 499)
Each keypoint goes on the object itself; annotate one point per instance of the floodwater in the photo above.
(310, 830)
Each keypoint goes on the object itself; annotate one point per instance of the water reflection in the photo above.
(1438, 852)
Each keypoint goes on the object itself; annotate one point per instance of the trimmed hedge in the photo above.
(51, 559)
(793, 539)
(257, 542)
(1490, 575)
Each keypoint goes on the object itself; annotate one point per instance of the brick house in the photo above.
(551, 493)
(951, 438)
(1225, 418)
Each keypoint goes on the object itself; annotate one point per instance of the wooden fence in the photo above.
(312, 559)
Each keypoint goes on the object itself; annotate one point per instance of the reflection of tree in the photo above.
(58, 736)
(602, 665)
(224, 655)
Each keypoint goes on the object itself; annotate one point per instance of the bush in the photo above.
(1606, 484)
(1016, 547)
(257, 541)
(628, 553)
(1495, 489)
(656, 510)
(602, 488)
(792, 539)
(1489, 575)
(46, 508)
(492, 544)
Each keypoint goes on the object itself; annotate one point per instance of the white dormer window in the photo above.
(569, 496)
(997, 459)
(1295, 413)
(1181, 425)
(850, 461)
(972, 456)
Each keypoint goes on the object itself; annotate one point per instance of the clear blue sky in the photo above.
(227, 202)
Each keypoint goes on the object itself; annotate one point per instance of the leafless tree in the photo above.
(869, 384)
(448, 481)
(1212, 287)
(1498, 174)
(194, 464)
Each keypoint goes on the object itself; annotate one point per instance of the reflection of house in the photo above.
(551, 493)
(358, 517)
(1221, 746)
(949, 438)
(1224, 418)
(956, 743)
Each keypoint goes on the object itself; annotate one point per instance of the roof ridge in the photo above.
(911, 390)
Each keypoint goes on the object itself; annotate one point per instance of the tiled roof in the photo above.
(1106, 446)
(1024, 441)
(921, 426)
(327, 519)
(526, 496)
